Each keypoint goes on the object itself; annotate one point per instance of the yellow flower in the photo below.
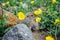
(7, 2)
(32, 2)
(37, 12)
(21, 3)
(49, 38)
(57, 21)
(3, 4)
(21, 16)
(53, 1)
(38, 19)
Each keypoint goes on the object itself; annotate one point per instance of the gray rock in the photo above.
(19, 32)
(25, 6)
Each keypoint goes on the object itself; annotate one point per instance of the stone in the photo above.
(13, 20)
(19, 32)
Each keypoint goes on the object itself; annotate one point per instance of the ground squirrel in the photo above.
(30, 21)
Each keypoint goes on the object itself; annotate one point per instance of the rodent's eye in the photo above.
(32, 15)
(27, 16)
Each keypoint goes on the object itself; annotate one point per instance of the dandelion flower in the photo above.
(21, 16)
(7, 2)
(39, 11)
(32, 2)
(36, 12)
(53, 1)
(21, 3)
(3, 4)
(49, 38)
(57, 21)
(38, 19)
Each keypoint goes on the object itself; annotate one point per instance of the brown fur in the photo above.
(30, 21)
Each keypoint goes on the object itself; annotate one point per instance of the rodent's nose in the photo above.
(34, 28)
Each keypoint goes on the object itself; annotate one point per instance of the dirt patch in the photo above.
(38, 35)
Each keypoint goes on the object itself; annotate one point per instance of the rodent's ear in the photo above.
(31, 15)
(28, 14)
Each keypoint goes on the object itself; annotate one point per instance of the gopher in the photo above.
(30, 21)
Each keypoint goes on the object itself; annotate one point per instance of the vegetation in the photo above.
(48, 12)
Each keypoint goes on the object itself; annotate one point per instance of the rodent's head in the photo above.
(30, 20)
(30, 15)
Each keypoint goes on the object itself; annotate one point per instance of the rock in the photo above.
(25, 6)
(13, 20)
(18, 32)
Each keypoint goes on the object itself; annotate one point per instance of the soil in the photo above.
(41, 35)
(38, 35)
